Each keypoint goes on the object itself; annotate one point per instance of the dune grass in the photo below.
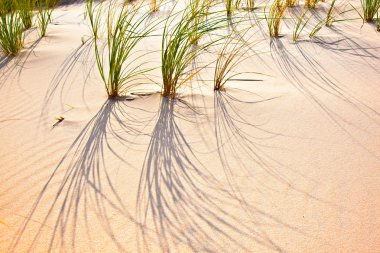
(330, 17)
(317, 28)
(230, 55)
(250, 4)
(11, 28)
(199, 10)
(44, 15)
(311, 4)
(291, 3)
(155, 5)
(300, 25)
(124, 29)
(274, 17)
(370, 9)
(26, 8)
(231, 6)
(178, 49)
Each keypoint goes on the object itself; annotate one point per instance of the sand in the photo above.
(288, 162)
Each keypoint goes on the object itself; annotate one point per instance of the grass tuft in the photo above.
(44, 16)
(11, 28)
(311, 4)
(231, 54)
(26, 8)
(178, 49)
(291, 3)
(300, 25)
(124, 28)
(276, 12)
(370, 9)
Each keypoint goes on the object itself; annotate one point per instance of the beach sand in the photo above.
(287, 162)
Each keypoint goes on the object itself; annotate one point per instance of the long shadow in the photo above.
(83, 185)
(182, 204)
(310, 76)
(12, 66)
(61, 80)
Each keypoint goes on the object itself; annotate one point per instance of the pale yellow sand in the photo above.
(289, 163)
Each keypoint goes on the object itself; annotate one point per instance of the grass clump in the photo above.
(300, 25)
(228, 58)
(273, 19)
(370, 9)
(26, 12)
(11, 27)
(199, 10)
(330, 17)
(317, 28)
(250, 4)
(44, 16)
(291, 3)
(232, 5)
(124, 29)
(154, 5)
(311, 4)
(178, 50)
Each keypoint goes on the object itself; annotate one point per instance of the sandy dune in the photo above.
(287, 162)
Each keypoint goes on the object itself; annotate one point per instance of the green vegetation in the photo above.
(228, 58)
(330, 18)
(370, 9)
(311, 4)
(11, 28)
(178, 49)
(300, 25)
(45, 10)
(124, 28)
(291, 3)
(232, 5)
(276, 12)
(250, 4)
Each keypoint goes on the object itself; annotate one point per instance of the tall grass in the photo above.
(311, 4)
(26, 8)
(300, 25)
(291, 3)
(250, 4)
(124, 28)
(231, 54)
(199, 10)
(317, 28)
(11, 27)
(274, 17)
(330, 18)
(45, 10)
(231, 6)
(178, 50)
(370, 9)
(154, 5)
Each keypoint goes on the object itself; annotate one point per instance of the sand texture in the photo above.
(284, 160)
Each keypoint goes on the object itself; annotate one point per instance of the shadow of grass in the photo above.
(181, 203)
(83, 186)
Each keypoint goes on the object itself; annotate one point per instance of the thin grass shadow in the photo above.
(80, 188)
(79, 56)
(182, 205)
(12, 67)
